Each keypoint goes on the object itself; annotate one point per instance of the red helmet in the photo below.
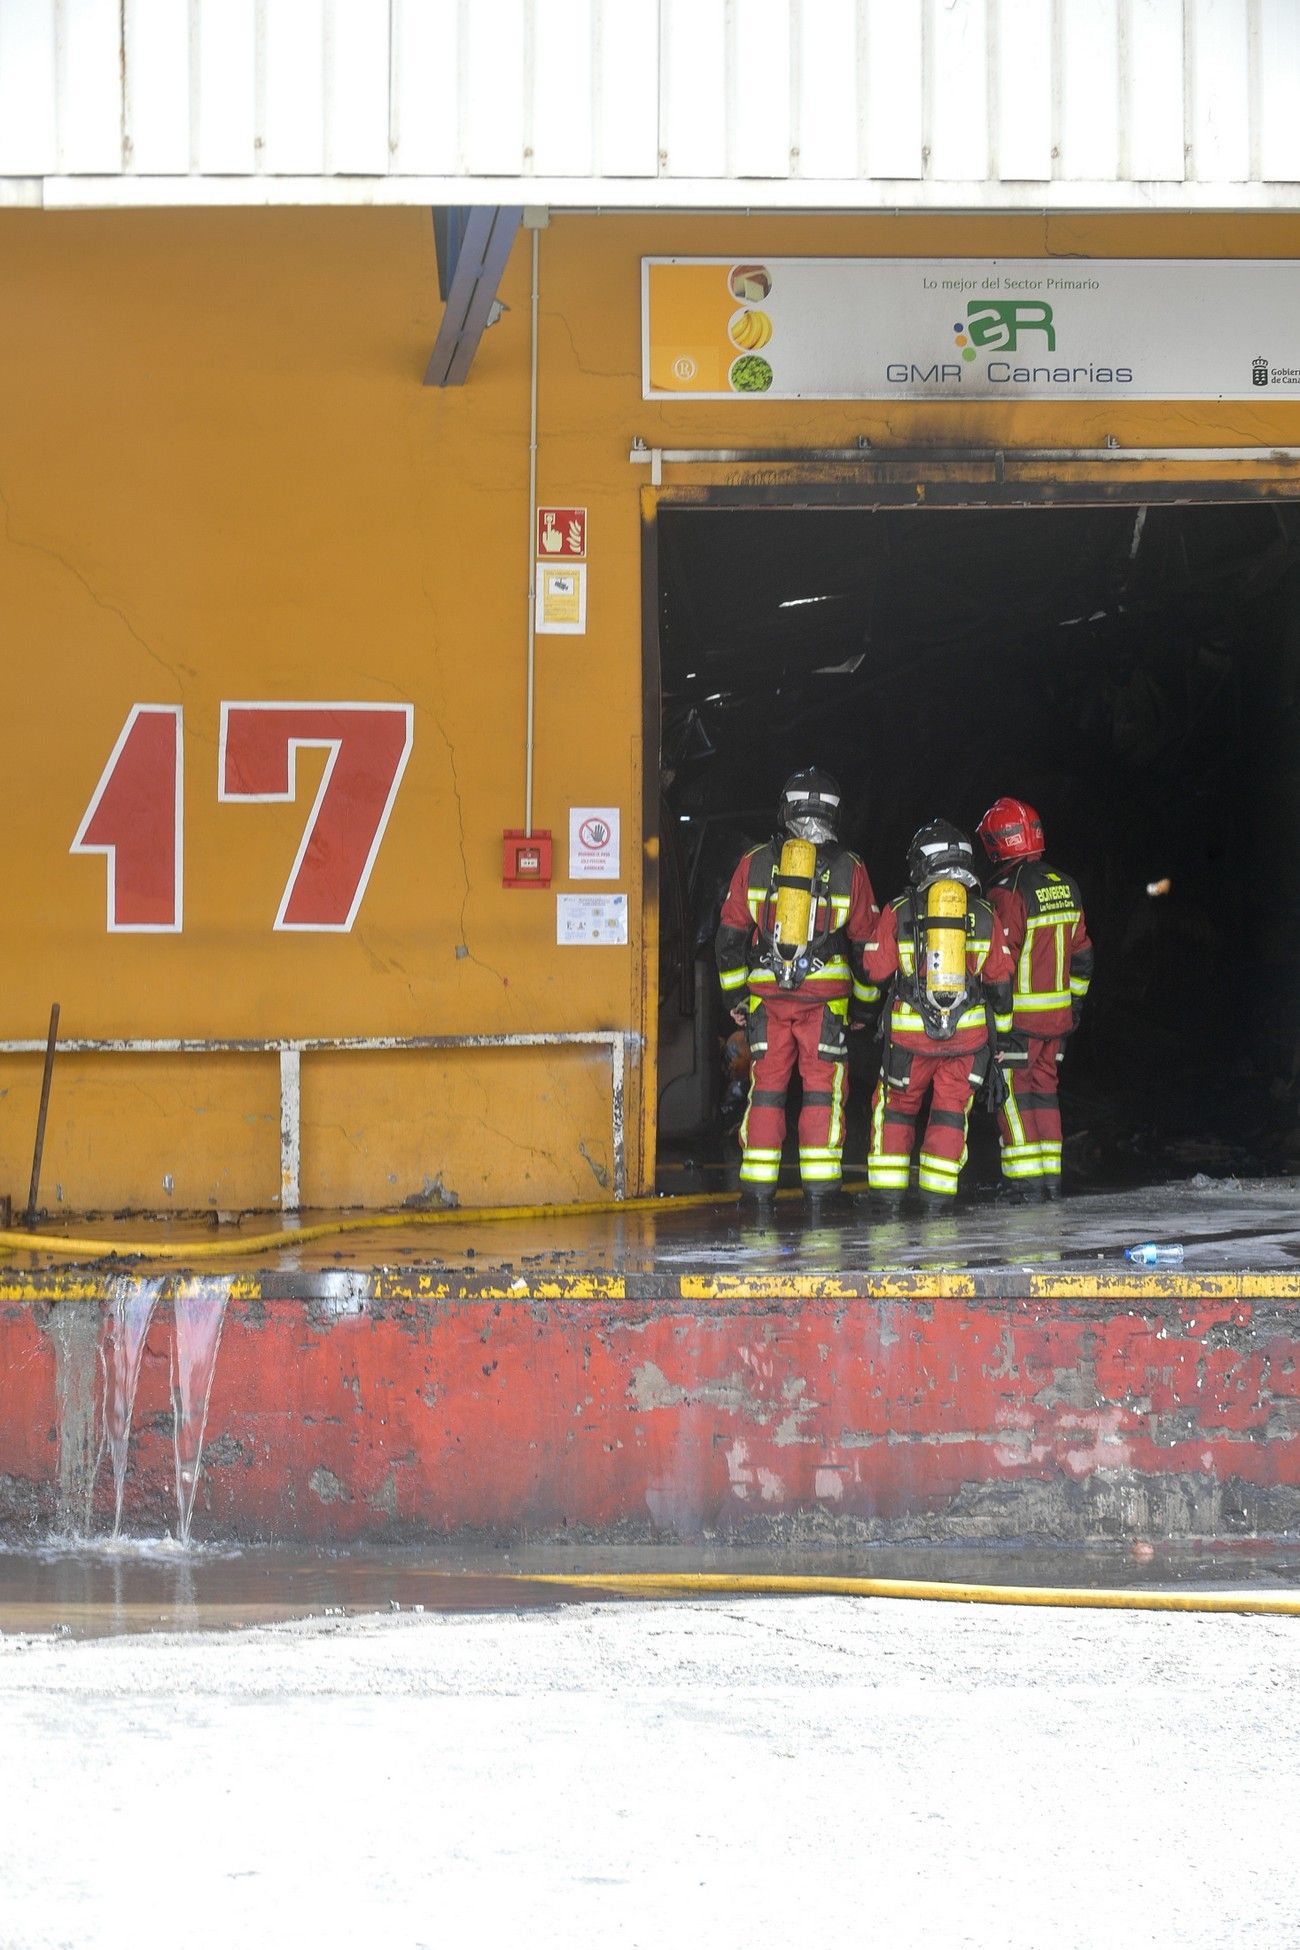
(1011, 830)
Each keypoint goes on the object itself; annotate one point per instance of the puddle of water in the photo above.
(87, 1591)
(163, 1586)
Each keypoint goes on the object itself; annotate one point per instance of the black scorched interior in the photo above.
(1132, 671)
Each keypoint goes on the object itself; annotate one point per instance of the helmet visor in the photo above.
(811, 826)
(949, 872)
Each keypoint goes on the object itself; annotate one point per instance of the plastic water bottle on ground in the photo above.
(1152, 1255)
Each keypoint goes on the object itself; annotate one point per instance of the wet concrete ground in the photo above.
(111, 1590)
(747, 1773)
(1224, 1225)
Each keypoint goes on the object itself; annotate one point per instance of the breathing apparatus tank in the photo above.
(943, 926)
(941, 869)
(792, 927)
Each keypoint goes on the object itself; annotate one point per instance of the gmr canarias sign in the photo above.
(911, 328)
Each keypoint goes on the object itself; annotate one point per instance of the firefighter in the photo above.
(1042, 912)
(797, 916)
(948, 1021)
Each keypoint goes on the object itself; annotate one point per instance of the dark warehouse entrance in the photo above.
(1132, 670)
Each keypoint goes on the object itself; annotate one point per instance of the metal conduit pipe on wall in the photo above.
(620, 1043)
(533, 221)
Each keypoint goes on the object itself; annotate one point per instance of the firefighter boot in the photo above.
(757, 1204)
(1021, 1191)
(821, 1202)
(882, 1204)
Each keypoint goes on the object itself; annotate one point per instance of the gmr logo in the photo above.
(996, 325)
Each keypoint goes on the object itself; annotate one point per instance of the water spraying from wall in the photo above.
(75, 1333)
(200, 1307)
(131, 1307)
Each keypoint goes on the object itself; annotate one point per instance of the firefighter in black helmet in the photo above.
(944, 952)
(797, 917)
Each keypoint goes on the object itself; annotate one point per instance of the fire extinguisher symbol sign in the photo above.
(593, 843)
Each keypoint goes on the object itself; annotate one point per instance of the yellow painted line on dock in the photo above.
(941, 1283)
(45, 1285)
(1118, 1285)
(579, 1286)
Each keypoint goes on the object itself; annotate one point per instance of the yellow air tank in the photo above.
(792, 929)
(945, 947)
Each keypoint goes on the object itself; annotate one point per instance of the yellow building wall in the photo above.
(221, 479)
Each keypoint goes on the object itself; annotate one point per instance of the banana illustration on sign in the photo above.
(750, 330)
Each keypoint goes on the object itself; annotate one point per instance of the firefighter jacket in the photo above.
(1042, 912)
(989, 972)
(843, 923)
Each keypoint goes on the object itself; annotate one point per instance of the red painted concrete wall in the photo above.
(939, 1418)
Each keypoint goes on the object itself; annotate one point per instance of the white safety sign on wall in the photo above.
(591, 920)
(562, 599)
(972, 328)
(593, 842)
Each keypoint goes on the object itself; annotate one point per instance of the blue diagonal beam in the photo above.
(484, 248)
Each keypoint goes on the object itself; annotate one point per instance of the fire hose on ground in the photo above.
(677, 1584)
(289, 1238)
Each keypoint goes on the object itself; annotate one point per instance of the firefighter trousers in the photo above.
(784, 1033)
(1029, 1123)
(952, 1076)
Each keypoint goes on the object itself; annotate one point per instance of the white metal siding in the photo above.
(814, 103)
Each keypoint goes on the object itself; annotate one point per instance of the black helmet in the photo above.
(810, 807)
(939, 852)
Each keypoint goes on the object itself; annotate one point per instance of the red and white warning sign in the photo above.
(562, 532)
(593, 843)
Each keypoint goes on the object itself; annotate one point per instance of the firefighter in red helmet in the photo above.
(797, 917)
(1042, 912)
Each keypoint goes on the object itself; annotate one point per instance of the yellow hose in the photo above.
(291, 1237)
(650, 1584)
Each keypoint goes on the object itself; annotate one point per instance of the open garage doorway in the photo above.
(1133, 671)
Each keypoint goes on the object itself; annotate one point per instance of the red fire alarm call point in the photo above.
(527, 859)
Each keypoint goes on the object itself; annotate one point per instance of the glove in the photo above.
(996, 1089)
(1013, 1049)
(864, 1015)
(1076, 1014)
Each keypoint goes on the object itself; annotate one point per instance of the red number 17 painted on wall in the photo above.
(135, 814)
